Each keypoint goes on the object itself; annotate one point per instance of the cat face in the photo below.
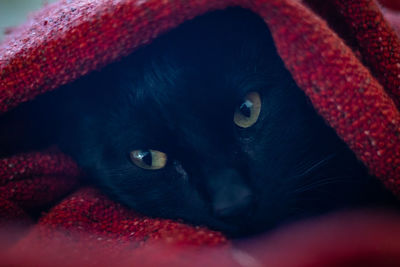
(207, 125)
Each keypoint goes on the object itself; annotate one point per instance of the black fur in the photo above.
(178, 95)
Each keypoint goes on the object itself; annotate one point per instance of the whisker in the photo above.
(315, 166)
(322, 182)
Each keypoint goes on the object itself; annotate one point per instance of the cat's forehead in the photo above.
(184, 115)
(187, 80)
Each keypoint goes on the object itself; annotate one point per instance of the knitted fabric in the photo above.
(350, 70)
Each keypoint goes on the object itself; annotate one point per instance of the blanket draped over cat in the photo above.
(344, 54)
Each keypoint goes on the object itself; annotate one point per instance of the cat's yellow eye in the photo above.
(247, 113)
(148, 159)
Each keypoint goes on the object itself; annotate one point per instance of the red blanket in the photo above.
(344, 54)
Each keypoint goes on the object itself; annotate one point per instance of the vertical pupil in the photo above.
(146, 157)
(245, 108)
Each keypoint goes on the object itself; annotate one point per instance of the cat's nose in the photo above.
(233, 204)
(231, 197)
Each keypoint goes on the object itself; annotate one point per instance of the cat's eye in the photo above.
(148, 159)
(247, 113)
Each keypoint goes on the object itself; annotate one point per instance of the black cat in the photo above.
(206, 125)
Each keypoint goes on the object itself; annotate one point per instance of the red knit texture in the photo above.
(356, 90)
(356, 239)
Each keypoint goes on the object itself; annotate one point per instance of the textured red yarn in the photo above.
(355, 89)
(361, 238)
(89, 212)
(29, 181)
